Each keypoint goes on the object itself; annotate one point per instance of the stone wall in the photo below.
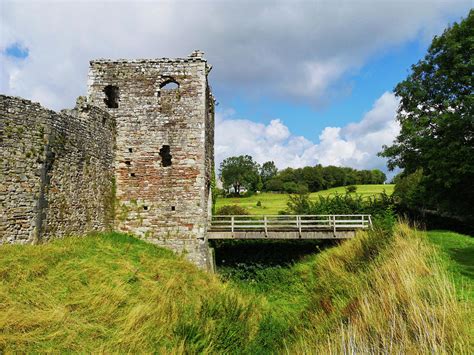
(57, 170)
(164, 153)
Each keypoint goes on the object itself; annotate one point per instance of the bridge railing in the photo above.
(290, 222)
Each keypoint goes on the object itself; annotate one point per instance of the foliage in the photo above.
(351, 189)
(409, 191)
(267, 171)
(238, 172)
(231, 210)
(437, 128)
(379, 206)
(319, 178)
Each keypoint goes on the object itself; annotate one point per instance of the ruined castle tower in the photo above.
(164, 112)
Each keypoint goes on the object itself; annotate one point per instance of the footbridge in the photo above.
(288, 226)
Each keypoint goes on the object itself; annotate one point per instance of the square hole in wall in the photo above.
(132, 174)
(130, 150)
(173, 208)
(145, 208)
(128, 162)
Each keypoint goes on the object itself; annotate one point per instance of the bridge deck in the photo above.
(287, 226)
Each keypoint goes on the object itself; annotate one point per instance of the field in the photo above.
(272, 203)
(115, 293)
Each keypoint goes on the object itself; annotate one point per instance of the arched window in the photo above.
(169, 84)
(112, 96)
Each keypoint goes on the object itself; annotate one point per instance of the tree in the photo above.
(268, 171)
(437, 125)
(378, 176)
(239, 172)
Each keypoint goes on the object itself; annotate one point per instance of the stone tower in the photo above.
(164, 112)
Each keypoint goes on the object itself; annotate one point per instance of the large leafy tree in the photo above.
(238, 172)
(437, 122)
(267, 171)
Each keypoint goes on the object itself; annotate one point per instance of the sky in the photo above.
(297, 82)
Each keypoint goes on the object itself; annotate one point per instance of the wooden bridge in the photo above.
(288, 226)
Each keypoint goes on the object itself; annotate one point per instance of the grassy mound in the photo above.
(381, 293)
(115, 293)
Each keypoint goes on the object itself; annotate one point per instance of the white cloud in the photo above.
(355, 144)
(297, 49)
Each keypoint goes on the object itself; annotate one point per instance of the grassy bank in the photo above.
(272, 203)
(116, 293)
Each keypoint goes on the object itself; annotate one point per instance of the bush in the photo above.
(259, 203)
(381, 206)
(351, 189)
(231, 210)
(294, 188)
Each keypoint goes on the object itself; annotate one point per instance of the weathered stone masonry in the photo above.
(57, 171)
(160, 153)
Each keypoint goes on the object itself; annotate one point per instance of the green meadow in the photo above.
(272, 203)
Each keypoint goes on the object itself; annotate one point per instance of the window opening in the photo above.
(111, 96)
(169, 84)
(165, 156)
(173, 208)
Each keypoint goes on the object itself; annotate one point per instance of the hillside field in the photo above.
(115, 293)
(272, 203)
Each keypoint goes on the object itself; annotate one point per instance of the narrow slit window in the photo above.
(111, 96)
(165, 156)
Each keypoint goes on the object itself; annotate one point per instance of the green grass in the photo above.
(272, 203)
(115, 293)
(457, 251)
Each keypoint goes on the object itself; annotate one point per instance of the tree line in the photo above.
(242, 172)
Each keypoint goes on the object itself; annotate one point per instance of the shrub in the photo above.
(351, 189)
(259, 203)
(381, 206)
(231, 210)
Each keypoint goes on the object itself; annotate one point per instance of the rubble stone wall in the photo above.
(57, 171)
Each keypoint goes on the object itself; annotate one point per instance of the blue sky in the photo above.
(298, 82)
(380, 74)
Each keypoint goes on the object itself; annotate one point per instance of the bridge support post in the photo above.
(298, 223)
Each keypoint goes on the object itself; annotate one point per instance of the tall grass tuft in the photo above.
(388, 295)
(114, 293)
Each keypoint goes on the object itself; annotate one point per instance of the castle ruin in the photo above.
(135, 155)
